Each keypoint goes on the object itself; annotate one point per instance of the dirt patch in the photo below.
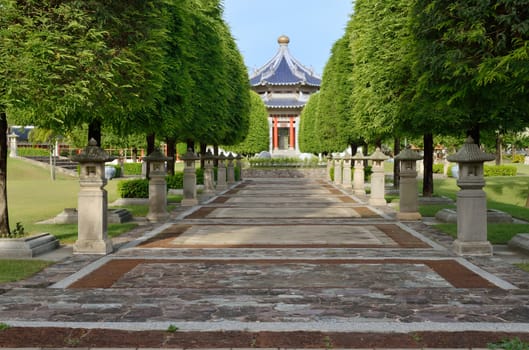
(453, 272)
(83, 338)
(404, 239)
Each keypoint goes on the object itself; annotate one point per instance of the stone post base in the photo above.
(472, 248)
(157, 216)
(377, 202)
(102, 247)
(409, 216)
(189, 202)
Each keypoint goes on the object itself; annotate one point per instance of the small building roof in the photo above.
(284, 69)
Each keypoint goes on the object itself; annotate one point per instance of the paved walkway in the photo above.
(277, 255)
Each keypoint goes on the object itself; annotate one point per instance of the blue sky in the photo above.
(312, 25)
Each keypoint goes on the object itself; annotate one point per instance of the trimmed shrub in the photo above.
(438, 168)
(118, 170)
(518, 158)
(499, 170)
(32, 152)
(175, 181)
(138, 188)
(132, 168)
(331, 173)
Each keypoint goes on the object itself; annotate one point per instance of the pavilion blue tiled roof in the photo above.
(284, 69)
(284, 103)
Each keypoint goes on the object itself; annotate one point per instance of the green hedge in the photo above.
(499, 170)
(138, 188)
(438, 168)
(32, 152)
(132, 168)
(518, 158)
(283, 162)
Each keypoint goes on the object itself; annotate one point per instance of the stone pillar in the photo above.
(471, 201)
(230, 169)
(190, 179)
(346, 174)
(409, 197)
(239, 165)
(92, 204)
(13, 144)
(221, 173)
(377, 178)
(209, 181)
(329, 166)
(358, 175)
(157, 186)
(337, 170)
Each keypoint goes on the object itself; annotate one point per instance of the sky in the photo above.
(312, 26)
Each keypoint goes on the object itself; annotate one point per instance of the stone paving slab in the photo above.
(383, 289)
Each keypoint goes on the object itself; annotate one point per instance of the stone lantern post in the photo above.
(471, 201)
(338, 170)
(92, 202)
(190, 179)
(13, 143)
(157, 186)
(409, 198)
(358, 175)
(346, 174)
(230, 169)
(239, 165)
(221, 173)
(377, 178)
(209, 180)
(329, 166)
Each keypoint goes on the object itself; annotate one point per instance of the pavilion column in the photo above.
(292, 136)
(296, 132)
(271, 135)
(276, 137)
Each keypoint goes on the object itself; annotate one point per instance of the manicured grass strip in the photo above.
(524, 266)
(67, 233)
(15, 270)
(496, 233)
(431, 209)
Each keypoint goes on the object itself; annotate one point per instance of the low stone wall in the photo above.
(312, 173)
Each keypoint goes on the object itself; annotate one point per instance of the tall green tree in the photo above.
(309, 138)
(75, 62)
(258, 135)
(470, 64)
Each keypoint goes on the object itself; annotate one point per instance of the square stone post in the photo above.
(358, 175)
(239, 165)
(230, 169)
(337, 170)
(209, 180)
(157, 186)
(346, 174)
(92, 237)
(409, 197)
(13, 144)
(377, 179)
(190, 179)
(221, 173)
(329, 166)
(471, 201)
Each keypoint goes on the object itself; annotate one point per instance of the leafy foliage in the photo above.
(137, 188)
(258, 134)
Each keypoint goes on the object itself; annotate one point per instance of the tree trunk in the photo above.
(171, 153)
(203, 149)
(499, 153)
(396, 163)
(427, 185)
(354, 148)
(366, 153)
(216, 154)
(94, 131)
(150, 148)
(4, 215)
(190, 145)
(474, 133)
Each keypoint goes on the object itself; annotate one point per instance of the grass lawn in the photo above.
(524, 266)
(507, 194)
(14, 270)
